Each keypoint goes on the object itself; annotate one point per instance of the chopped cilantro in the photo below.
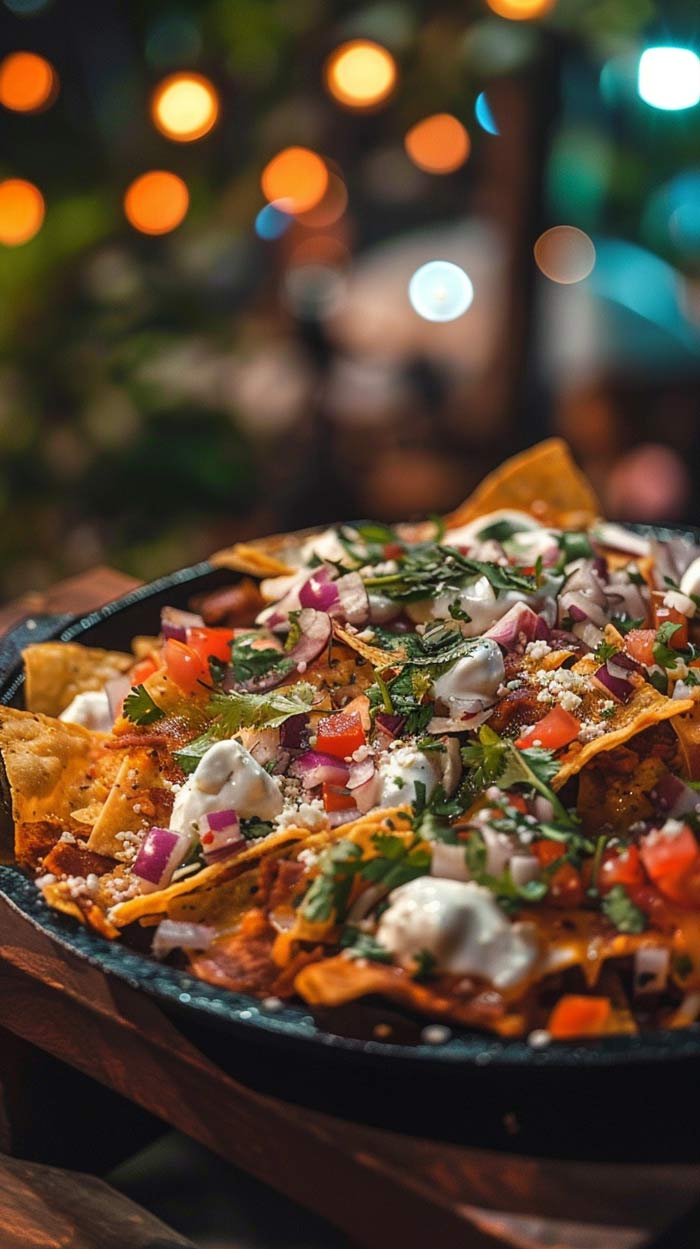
(363, 945)
(660, 681)
(625, 624)
(330, 890)
(573, 546)
(457, 612)
(429, 569)
(140, 708)
(294, 630)
(500, 530)
(665, 655)
(425, 965)
(254, 827)
(622, 912)
(495, 761)
(249, 662)
(238, 710)
(604, 651)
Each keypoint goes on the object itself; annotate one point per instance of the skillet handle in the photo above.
(37, 628)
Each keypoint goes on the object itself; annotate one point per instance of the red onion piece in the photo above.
(449, 862)
(457, 723)
(524, 868)
(499, 850)
(519, 622)
(672, 797)
(116, 691)
(161, 852)
(173, 934)
(175, 623)
(294, 732)
(219, 820)
(354, 602)
(319, 592)
(542, 631)
(620, 688)
(360, 772)
(364, 784)
(391, 725)
(316, 632)
(314, 767)
(576, 613)
(581, 606)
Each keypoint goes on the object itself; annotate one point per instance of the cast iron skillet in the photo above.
(621, 1097)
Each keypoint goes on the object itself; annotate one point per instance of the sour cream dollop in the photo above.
(398, 772)
(226, 778)
(462, 926)
(91, 709)
(475, 677)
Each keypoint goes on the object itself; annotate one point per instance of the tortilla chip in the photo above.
(159, 901)
(645, 708)
(543, 480)
(688, 733)
(56, 671)
(189, 708)
(52, 768)
(129, 805)
(373, 654)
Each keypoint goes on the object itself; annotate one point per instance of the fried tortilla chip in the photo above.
(132, 804)
(543, 481)
(687, 731)
(52, 768)
(56, 671)
(373, 654)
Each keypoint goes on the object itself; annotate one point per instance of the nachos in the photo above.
(454, 765)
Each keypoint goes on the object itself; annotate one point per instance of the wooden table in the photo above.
(382, 1188)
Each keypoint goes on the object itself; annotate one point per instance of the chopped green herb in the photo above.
(140, 708)
(363, 945)
(622, 912)
(238, 710)
(330, 890)
(495, 761)
(625, 624)
(425, 965)
(665, 655)
(248, 662)
(605, 650)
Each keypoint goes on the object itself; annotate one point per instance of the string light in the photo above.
(156, 202)
(521, 10)
(483, 114)
(21, 211)
(296, 175)
(565, 254)
(330, 208)
(360, 74)
(28, 83)
(440, 291)
(669, 78)
(438, 144)
(185, 107)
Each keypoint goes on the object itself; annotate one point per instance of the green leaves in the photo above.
(495, 761)
(238, 710)
(248, 662)
(140, 708)
(396, 862)
(665, 655)
(363, 945)
(622, 912)
(573, 546)
(432, 568)
(605, 651)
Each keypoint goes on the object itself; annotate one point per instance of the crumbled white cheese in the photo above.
(309, 815)
(68, 838)
(537, 650)
(589, 731)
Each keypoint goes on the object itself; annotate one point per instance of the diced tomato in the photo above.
(672, 861)
(517, 802)
(639, 643)
(340, 734)
(142, 670)
(557, 729)
(211, 643)
(620, 867)
(548, 851)
(578, 1016)
(393, 550)
(185, 666)
(669, 615)
(336, 799)
(566, 887)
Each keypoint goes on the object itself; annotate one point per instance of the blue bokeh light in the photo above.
(483, 114)
(440, 291)
(272, 222)
(669, 78)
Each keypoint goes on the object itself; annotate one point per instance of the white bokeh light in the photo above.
(669, 78)
(440, 291)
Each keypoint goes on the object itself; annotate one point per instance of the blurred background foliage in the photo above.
(246, 369)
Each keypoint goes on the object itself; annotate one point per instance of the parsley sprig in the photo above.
(140, 708)
(432, 568)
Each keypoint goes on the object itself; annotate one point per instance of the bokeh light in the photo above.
(185, 107)
(438, 144)
(156, 202)
(273, 220)
(28, 83)
(521, 10)
(669, 78)
(330, 208)
(440, 291)
(21, 211)
(484, 115)
(297, 175)
(360, 74)
(26, 8)
(565, 254)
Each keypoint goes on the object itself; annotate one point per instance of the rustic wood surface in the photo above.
(382, 1188)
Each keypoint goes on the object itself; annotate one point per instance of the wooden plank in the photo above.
(82, 593)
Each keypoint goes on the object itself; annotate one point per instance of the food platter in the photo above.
(338, 1060)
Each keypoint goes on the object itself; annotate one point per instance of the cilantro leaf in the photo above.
(622, 912)
(573, 546)
(140, 708)
(249, 662)
(329, 891)
(665, 655)
(625, 624)
(425, 965)
(363, 945)
(605, 650)
(241, 710)
(496, 761)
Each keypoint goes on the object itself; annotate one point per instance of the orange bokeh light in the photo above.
(156, 202)
(28, 83)
(438, 144)
(21, 211)
(521, 10)
(185, 107)
(360, 74)
(296, 176)
(330, 208)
